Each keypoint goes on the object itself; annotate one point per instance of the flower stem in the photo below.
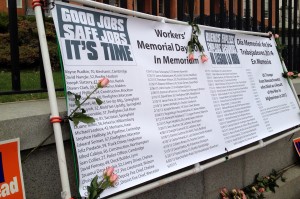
(83, 102)
(35, 148)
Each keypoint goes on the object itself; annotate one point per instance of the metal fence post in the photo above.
(14, 47)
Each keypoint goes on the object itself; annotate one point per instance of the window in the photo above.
(266, 8)
(19, 3)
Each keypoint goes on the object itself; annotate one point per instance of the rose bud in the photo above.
(113, 178)
(191, 57)
(204, 58)
(289, 74)
(108, 171)
(103, 82)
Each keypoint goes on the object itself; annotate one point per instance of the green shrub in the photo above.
(29, 56)
(4, 51)
(3, 22)
(28, 42)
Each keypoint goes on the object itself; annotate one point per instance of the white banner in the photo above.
(162, 112)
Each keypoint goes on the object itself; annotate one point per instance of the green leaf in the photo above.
(283, 179)
(274, 172)
(256, 176)
(77, 97)
(75, 120)
(93, 194)
(94, 183)
(81, 117)
(200, 47)
(197, 28)
(272, 189)
(98, 101)
(70, 93)
(77, 102)
(260, 184)
(259, 179)
(194, 40)
(272, 177)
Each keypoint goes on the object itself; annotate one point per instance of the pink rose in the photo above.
(224, 192)
(276, 36)
(298, 74)
(113, 178)
(108, 171)
(261, 190)
(242, 194)
(204, 58)
(191, 57)
(103, 82)
(289, 74)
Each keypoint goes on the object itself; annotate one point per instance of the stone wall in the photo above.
(30, 121)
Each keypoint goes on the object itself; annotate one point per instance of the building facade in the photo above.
(22, 6)
(167, 8)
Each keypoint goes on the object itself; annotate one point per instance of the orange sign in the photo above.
(297, 145)
(11, 178)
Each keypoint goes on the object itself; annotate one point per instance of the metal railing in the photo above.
(282, 18)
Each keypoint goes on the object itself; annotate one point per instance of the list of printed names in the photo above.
(115, 139)
(178, 115)
(233, 109)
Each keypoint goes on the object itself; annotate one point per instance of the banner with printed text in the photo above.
(161, 111)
